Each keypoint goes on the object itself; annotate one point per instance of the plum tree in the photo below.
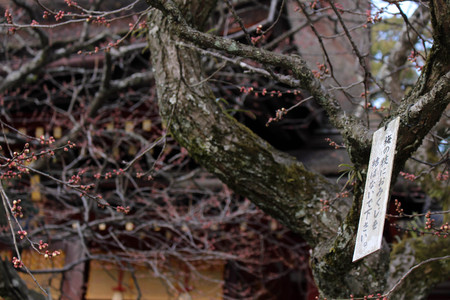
(184, 39)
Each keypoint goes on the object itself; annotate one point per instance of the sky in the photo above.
(408, 7)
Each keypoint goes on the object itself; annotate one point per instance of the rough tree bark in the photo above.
(276, 182)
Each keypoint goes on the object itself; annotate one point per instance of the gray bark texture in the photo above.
(279, 184)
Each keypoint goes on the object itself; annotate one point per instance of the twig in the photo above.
(412, 269)
(361, 59)
(419, 215)
(324, 50)
(405, 18)
(239, 20)
(7, 208)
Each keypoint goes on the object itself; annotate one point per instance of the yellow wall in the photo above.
(104, 277)
(34, 261)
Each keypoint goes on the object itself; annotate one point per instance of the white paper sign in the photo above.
(376, 191)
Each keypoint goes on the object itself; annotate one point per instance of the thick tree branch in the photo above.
(354, 132)
(277, 183)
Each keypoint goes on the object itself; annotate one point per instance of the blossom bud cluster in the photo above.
(108, 175)
(17, 163)
(17, 209)
(42, 245)
(325, 204)
(408, 176)
(22, 234)
(125, 210)
(374, 108)
(9, 20)
(17, 262)
(334, 144)
(49, 254)
(264, 92)
(71, 3)
(375, 18)
(398, 208)
(413, 58)
(442, 176)
(322, 72)
(279, 114)
(59, 15)
(441, 231)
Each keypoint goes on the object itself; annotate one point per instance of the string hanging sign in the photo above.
(376, 190)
